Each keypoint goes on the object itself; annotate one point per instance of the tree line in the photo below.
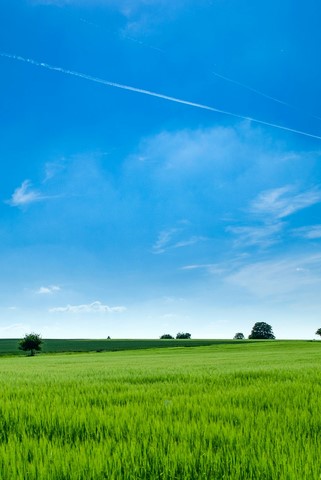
(32, 342)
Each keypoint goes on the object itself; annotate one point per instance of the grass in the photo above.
(226, 411)
(10, 346)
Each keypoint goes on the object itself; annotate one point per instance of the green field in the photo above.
(225, 411)
(10, 346)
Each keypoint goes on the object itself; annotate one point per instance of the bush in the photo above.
(239, 336)
(182, 335)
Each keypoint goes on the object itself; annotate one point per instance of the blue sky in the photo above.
(128, 214)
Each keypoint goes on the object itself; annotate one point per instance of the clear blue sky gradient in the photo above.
(132, 215)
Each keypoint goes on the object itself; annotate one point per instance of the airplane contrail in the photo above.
(262, 94)
(153, 94)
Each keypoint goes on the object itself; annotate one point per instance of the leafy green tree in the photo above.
(182, 335)
(262, 331)
(166, 336)
(318, 332)
(239, 336)
(32, 342)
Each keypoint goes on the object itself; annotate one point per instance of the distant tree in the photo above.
(318, 332)
(182, 335)
(166, 336)
(32, 342)
(262, 331)
(239, 336)
(108, 338)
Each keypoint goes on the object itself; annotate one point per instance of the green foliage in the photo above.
(239, 336)
(318, 332)
(31, 342)
(166, 336)
(183, 336)
(238, 411)
(262, 331)
(8, 346)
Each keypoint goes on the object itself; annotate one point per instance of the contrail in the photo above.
(262, 94)
(154, 94)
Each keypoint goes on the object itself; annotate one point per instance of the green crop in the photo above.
(243, 411)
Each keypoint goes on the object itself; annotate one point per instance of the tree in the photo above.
(239, 336)
(262, 331)
(182, 335)
(32, 342)
(166, 336)
(318, 332)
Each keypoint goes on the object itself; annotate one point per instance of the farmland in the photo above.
(10, 346)
(222, 411)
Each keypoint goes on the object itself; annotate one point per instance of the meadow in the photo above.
(9, 346)
(224, 411)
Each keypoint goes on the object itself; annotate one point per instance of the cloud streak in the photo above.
(153, 94)
(167, 239)
(94, 307)
(262, 236)
(282, 202)
(262, 94)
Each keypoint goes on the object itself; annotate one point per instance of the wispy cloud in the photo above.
(94, 307)
(312, 232)
(262, 235)
(269, 208)
(24, 195)
(52, 169)
(279, 276)
(212, 268)
(172, 238)
(48, 290)
(284, 201)
(164, 239)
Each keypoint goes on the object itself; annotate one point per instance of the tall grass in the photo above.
(245, 411)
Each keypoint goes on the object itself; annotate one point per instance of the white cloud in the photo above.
(24, 195)
(311, 232)
(95, 307)
(212, 268)
(284, 201)
(269, 207)
(175, 238)
(188, 241)
(262, 236)
(164, 239)
(48, 290)
(277, 277)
